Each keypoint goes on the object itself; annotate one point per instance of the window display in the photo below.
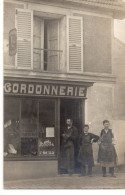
(46, 147)
(29, 127)
(29, 146)
(46, 144)
(29, 119)
(11, 127)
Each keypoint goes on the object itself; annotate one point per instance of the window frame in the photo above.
(42, 39)
(34, 158)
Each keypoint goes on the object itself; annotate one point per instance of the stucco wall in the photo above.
(119, 97)
(97, 44)
(119, 130)
(9, 24)
(119, 71)
(98, 107)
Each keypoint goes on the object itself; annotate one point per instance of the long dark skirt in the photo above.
(85, 156)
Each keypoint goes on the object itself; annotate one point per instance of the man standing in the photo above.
(107, 153)
(69, 141)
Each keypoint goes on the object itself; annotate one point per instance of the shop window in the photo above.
(11, 127)
(28, 123)
(29, 128)
(29, 146)
(46, 127)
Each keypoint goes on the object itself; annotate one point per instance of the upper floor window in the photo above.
(46, 53)
(47, 42)
(37, 41)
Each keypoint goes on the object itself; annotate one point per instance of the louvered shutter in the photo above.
(74, 44)
(24, 26)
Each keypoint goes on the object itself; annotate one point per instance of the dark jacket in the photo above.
(69, 140)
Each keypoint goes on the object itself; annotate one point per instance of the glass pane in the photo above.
(11, 126)
(28, 127)
(28, 124)
(46, 142)
(29, 146)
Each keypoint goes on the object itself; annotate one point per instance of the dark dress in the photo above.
(67, 149)
(85, 156)
(107, 152)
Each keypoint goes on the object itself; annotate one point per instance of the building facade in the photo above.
(58, 64)
(119, 97)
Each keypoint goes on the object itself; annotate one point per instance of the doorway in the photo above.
(74, 109)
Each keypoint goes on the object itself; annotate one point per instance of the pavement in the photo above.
(70, 182)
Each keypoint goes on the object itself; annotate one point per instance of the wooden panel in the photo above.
(24, 20)
(75, 44)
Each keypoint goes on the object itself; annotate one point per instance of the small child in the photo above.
(85, 156)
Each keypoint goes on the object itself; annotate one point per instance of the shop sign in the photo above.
(44, 89)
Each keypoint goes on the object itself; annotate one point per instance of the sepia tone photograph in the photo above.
(64, 94)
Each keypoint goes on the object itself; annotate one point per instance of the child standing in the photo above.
(85, 156)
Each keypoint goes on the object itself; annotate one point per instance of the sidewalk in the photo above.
(70, 182)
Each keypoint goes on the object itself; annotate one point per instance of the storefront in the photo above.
(35, 113)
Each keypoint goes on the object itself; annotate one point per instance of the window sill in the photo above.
(26, 158)
(62, 76)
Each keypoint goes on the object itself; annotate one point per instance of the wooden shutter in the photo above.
(24, 26)
(74, 44)
(53, 44)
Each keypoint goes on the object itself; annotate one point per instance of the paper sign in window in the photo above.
(49, 131)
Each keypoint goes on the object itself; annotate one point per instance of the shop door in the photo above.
(74, 109)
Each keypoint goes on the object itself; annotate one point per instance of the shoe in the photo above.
(70, 174)
(90, 175)
(104, 175)
(113, 176)
(82, 175)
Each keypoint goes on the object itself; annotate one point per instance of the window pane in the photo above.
(28, 124)
(11, 126)
(29, 146)
(46, 127)
(28, 127)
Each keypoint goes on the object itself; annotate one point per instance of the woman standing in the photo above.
(86, 153)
